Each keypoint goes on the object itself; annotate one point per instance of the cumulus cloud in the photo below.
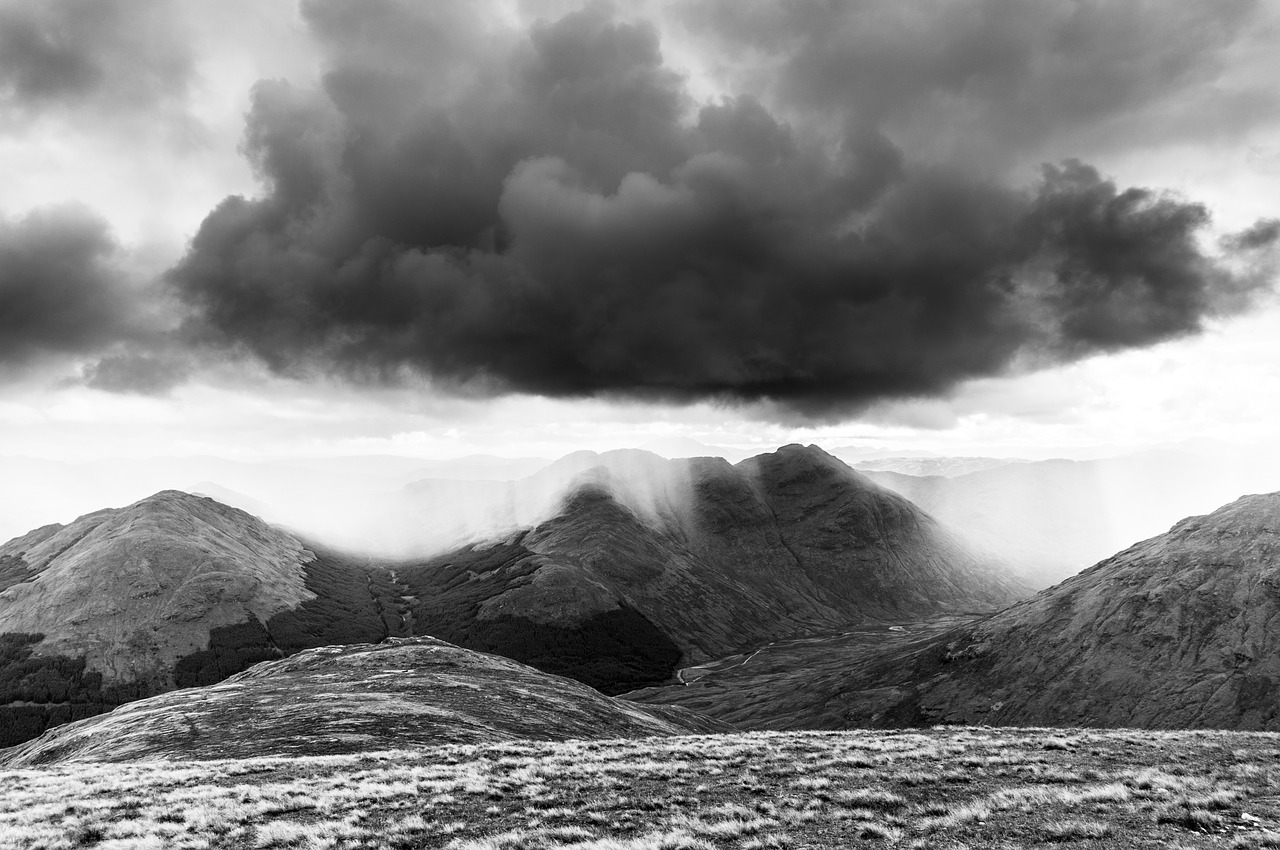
(547, 209)
(93, 56)
(61, 288)
(70, 294)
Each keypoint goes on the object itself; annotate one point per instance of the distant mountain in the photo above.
(1054, 518)
(650, 562)
(407, 692)
(678, 447)
(856, 454)
(230, 498)
(947, 467)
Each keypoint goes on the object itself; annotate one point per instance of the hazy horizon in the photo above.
(1045, 519)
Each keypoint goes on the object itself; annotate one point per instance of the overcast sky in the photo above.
(257, 227)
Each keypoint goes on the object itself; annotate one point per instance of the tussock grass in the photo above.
(759, 791)
(1191, 818)
(1076, 830)
(871, 798)
(957, 816)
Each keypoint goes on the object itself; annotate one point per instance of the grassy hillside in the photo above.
(965, 787)
(405, 692)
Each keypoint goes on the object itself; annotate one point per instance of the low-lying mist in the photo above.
(1048, 519)
(433, 515)
(377, 506)
(1054, 518)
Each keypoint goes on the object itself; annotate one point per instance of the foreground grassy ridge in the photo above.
(937, 788)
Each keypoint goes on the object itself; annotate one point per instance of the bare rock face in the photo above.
(405, 692)
(1179, 631)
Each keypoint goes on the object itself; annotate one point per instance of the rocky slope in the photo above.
(1178, 631)
(406, 692)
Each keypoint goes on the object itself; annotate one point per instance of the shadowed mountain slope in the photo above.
(696, 560)
(407, 692)
(1178, 631)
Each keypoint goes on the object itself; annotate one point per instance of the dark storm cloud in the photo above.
(111, 55)
(548, 211)
(62, 291)
(993, 80)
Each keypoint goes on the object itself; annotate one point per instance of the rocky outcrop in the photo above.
(400, 693)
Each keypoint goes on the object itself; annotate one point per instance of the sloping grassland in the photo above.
(955, 787)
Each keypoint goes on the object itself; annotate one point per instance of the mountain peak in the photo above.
(1249, 515)
(796, 454)
(133, 589)
(805, 464)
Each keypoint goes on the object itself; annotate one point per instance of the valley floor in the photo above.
(946, 787)
(801, 683)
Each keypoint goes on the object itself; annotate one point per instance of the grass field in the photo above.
(970, 787)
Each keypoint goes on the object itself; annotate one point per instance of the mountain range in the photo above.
(784, 591)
